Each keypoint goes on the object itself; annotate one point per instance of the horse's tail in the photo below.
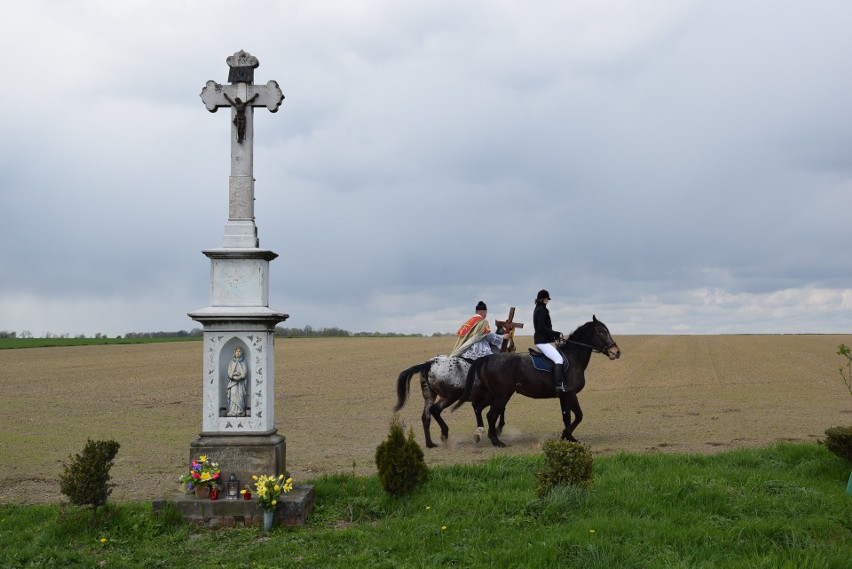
(404, 380)
(469, 381)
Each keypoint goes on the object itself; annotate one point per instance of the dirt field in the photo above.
(697, 394)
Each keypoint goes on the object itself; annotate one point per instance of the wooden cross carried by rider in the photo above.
(242, 95)
(509, 326)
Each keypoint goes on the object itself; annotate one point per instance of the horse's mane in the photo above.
(571, 335)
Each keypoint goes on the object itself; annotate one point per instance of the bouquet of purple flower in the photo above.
(202, 472)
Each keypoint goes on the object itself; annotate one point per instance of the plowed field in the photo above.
(334, 399)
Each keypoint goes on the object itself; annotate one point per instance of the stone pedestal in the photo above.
(243, 455)
(243, 443)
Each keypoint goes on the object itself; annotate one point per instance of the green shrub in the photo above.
(839, 441)
(400, 462)
(565, 464)
(85, 480)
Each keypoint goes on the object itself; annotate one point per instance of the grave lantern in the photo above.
(233, 487)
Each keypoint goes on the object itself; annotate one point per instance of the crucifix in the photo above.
(509, 326)
(242, 96)
(238, 370)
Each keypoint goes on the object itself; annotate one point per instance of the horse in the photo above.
(501, 375)
(442, 380)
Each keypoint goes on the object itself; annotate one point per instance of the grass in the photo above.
(782, 506)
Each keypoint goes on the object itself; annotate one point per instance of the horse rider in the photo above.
(544, 335)
(475, 337)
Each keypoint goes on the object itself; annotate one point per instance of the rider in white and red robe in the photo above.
(475, 338)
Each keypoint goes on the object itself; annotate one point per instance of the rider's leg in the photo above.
(559, 378)
(559, 370)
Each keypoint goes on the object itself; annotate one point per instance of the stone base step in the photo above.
(293, 509)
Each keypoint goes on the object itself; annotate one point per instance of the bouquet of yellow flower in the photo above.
(269, 489)
(202, 472)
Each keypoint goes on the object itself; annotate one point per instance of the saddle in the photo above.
(540, 361)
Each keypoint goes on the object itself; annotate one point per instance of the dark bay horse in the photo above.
(501, 375)
(442, 380)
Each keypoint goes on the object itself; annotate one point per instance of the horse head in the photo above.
(596, 335)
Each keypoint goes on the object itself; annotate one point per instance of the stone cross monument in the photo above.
(238, 425)
(241, 96)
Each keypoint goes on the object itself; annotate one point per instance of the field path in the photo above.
(334, 400)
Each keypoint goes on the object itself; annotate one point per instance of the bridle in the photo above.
(604, 350)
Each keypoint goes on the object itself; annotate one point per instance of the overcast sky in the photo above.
(673, 167)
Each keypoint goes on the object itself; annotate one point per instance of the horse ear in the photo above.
(594, 318)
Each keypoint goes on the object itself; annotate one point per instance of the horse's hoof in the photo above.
(498, 443)
(444, 437)
(431, 445)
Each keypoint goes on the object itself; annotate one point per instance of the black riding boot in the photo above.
(559, 373)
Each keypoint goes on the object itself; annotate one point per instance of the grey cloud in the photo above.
(679, 167)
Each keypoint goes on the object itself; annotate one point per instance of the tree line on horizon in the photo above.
(280, 332)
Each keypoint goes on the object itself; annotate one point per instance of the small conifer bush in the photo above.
(400, 461)
(565, 464)
(839, 441)
(85, 480)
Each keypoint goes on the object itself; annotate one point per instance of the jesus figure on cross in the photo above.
(240, 115)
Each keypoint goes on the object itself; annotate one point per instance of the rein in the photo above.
(603, 350)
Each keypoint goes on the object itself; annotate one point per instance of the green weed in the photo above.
(783, 506)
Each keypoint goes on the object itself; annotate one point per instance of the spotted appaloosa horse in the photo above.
(442, 380)
(497, 377)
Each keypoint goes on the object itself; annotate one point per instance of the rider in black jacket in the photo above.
(544, 335)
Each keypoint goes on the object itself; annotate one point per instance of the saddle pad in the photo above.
(540, 361)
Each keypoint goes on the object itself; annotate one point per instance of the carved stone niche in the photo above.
(256, 391)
